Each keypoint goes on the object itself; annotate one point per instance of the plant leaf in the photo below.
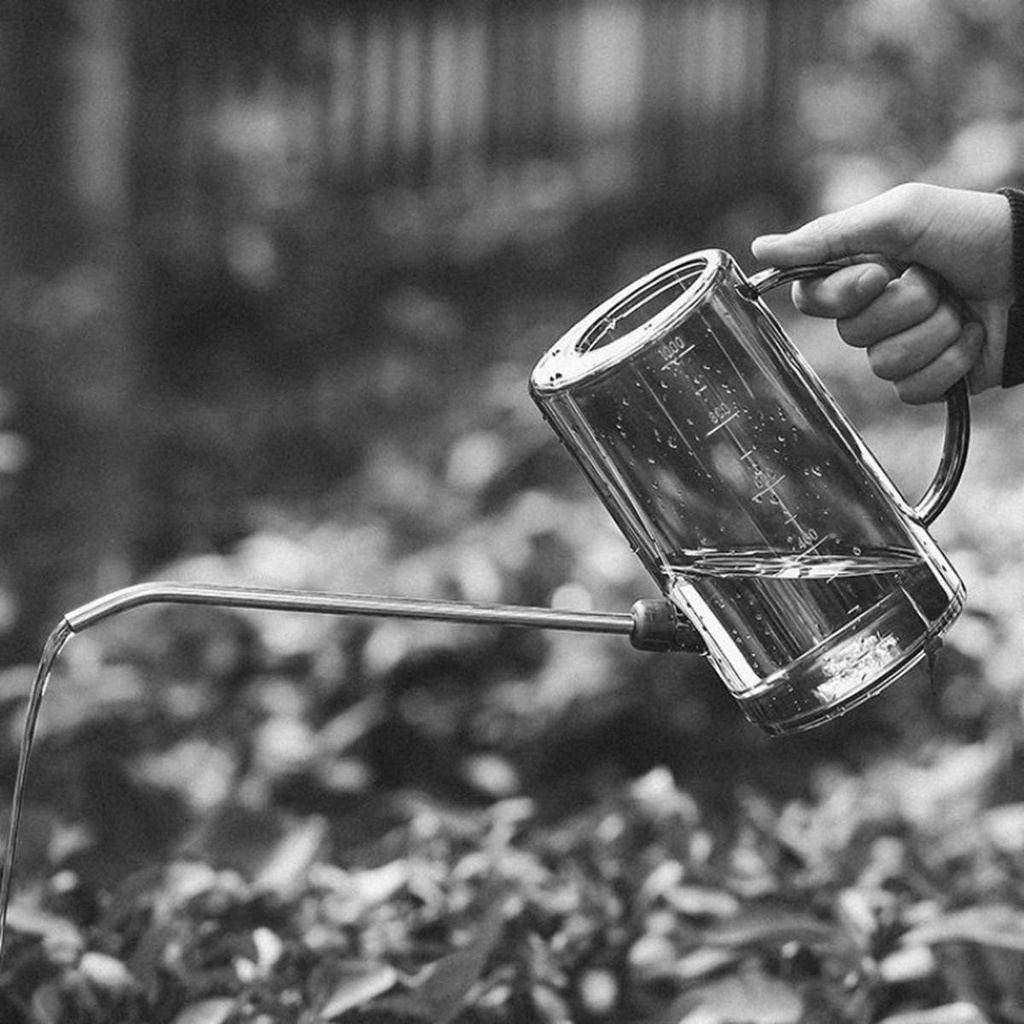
(288, 862)
(346, 984)
(951, 1013)
(996, 925)
(442, 987)
(762, 928)
(751, 998)
(206, 1011)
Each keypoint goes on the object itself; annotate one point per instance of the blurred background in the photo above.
(273, 275)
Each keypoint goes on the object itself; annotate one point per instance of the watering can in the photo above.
(747, 494)
(781, 548)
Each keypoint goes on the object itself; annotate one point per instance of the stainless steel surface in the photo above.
(772, 277)
(343, 604)
(954, 455)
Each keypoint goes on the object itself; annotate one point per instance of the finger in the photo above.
(887, 223)
(843, 293)
(908, 300)
(905, 353)
(932, 382)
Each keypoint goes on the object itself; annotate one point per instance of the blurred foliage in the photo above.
(921, 90)
(276, 818)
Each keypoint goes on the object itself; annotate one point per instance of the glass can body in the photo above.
(747, 494)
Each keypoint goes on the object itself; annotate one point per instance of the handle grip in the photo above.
(958, 419)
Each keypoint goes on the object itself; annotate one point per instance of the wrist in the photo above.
(1013, 352)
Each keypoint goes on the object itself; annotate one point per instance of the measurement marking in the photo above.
(771, 487)
(679, 355)
(817, 544)
(718, 426)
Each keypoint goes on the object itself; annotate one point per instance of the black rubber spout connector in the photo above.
(657, 626)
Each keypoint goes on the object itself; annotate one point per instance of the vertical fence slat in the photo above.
(683, 92)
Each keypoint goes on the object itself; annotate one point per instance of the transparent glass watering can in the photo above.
(747, 494)
(781, 548)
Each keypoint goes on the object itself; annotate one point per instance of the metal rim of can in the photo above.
(582, 353)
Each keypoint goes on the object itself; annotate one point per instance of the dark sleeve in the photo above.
(1013, 357)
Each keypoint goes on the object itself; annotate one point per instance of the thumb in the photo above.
(883, 225)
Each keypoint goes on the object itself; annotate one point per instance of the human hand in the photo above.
(943, 315)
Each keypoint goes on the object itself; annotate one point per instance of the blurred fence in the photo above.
(157, 157)
(631, 94)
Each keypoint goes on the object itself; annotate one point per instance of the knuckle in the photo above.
(905, 204)
(906, 200)
(908, 194)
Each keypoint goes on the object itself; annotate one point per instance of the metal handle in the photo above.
(958, 418)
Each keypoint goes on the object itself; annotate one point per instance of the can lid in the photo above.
(626, 322)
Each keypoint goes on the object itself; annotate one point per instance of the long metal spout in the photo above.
(651, 625)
